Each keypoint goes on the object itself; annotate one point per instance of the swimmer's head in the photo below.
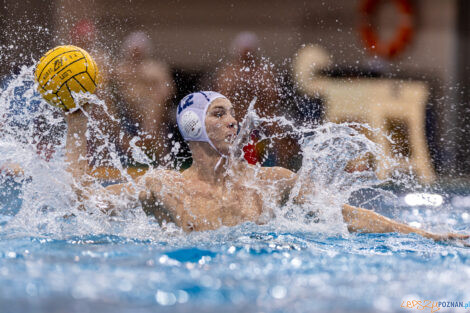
(137, 46)
(245, 45)
(207, 116)
(83, 34)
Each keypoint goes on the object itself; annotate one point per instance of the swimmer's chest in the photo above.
(207, 207)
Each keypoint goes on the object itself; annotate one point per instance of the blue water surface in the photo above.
(248, 268)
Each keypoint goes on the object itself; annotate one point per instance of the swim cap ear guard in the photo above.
(191, 115)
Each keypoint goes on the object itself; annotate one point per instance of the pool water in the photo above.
(249, 268)
(56, 258)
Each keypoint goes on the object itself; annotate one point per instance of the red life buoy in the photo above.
(403, 33)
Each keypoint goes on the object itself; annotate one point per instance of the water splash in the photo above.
(50, 205)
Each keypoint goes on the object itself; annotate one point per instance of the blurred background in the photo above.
(192, 45)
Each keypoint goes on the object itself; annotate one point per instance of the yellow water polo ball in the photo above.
(63, 70)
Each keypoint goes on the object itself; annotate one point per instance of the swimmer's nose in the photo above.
(232, 123)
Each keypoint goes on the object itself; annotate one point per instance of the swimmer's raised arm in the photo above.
(77, 165)
(144, 190)
(76, 145)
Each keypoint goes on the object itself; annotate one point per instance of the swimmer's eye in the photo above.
(218, 113)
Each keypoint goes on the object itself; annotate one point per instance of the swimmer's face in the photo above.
(221, 125)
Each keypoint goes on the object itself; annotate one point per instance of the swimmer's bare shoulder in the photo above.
(276, 173)
(279, 178)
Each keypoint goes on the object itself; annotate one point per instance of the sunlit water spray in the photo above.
(33, 137)
(327, 151)
(52, 251)
(50, 205)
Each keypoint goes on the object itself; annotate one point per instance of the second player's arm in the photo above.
(363, 220)
(367, 221)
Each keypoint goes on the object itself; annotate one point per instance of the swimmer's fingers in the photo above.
(444, 237)
(464, 243)
(452, 237)
(459, 242)
(11, 169)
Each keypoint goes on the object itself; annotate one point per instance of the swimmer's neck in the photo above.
(208, 165)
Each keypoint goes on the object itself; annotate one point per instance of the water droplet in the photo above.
(125, 285)
(165, 298)
(31, 289)
(11, 255)
(296, 262)
(183, 296)
(279, 292)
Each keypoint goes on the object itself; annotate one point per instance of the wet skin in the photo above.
(202, 197)
(211, 194)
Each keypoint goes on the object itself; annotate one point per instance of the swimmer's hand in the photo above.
(366, 221)
(449, 237)
(11, 169)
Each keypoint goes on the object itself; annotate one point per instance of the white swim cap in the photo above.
(191, 115)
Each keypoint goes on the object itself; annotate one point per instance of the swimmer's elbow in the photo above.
(366, 221)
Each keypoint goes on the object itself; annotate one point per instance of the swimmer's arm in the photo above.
(76, 145)
(119, 197)
(362, 220)
(366, 221)
(111, 199)
(126, 190)
(284, 181)
(357, 219)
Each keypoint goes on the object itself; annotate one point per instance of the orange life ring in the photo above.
(403, 33)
